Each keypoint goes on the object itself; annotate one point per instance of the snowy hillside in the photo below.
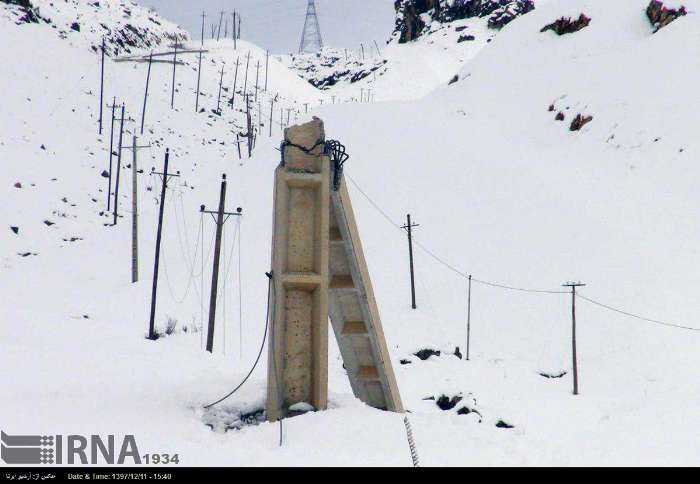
(124, 25)
(501, 186)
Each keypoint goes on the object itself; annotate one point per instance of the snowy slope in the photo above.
(501, 190)
(395, 71)
(124, 26)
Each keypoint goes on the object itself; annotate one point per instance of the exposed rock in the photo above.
(579, 122)
(463, 38)
(559, 116)
(567, 26)
(660, 16)
(29, 13)
(458, 353)
(14, 229)
(412, 15)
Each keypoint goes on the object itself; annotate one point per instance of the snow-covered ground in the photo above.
(501, 190)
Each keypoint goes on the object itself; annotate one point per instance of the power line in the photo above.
(636, 316)
(442, 261)
(255, 364)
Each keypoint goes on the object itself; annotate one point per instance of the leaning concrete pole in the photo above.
(319, 270)
(298, 349)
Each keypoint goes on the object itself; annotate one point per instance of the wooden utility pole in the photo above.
(573, 286)
(272, 108)
(257, 77)
(111, 153)
(119, 165)
(235, 81)
(102, 82)
(134, 214)
(267, 66)
(249, 121)
(220, 220)
(221, 80)
(469, 314)
(145, 95)
(134, 208)
(199, 69)
(203, 17)
(238, 32)
(233, 30)
(154, 291)
(172, 96)
(362, 47)
(221, 17)
(408, 227)
(245, 84)
(377, 46)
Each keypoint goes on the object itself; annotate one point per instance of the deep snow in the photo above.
(501, 190)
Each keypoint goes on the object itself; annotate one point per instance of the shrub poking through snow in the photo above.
(504, 425)
(660, 16)
(426, 353)
(447, 403)
(559, 116)
(553, 375)
(565, 25)
(579, 122)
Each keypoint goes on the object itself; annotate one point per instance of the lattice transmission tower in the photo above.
(311, 40)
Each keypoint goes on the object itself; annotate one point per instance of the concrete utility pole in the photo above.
(165, 176)
(319, 272)
(134, 208)
(221, 218)
(408, 228)
(573, 286)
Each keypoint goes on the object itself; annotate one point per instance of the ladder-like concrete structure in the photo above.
(319, 270)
